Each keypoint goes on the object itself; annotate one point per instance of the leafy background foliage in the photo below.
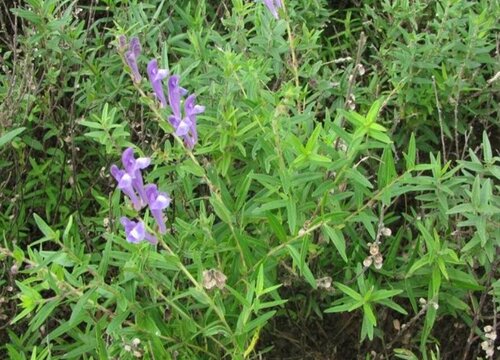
(340, 129)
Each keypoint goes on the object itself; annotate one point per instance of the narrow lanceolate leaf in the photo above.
(11, 135)
(291, 210)
(411, 156)
(349, 292)
(371, 117)
(220, 209)
(337, 238)
(487, 153)
(356, 176)
(259, 322)
(387, 169)
(302, 265)
(311, 143)
(44, 228)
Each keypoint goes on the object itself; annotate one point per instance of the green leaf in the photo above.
(302, 265)
(348, 291)
(461, 208)
(260, 281)
(14, 354)
(430, 318)
(387, 169)
(191, 167)
(276, 227)
(337, 239)
(380, 136)
(368, 311)
(411, 156)
(354, 118)
(11, 135)
(349, 305)
(356, 176)
(242, 190)
(87, 347)
(220, 209)
(366, 328)
(391, 304)
(384, 294)
(371, 117)
(425, 260)
(311, 143)
(291, 210)
(44, 228)
(258, 322)
(487, 153)
(44, 312)
(80, 305)
(116, 322)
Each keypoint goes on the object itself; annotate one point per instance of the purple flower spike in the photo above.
(175, 92)
(157, 201)
(136, 231)
(273, 6)
(133, 167)
(155, 77)
(191, 110)
(125, 184)
(131, 58)
(122, 42)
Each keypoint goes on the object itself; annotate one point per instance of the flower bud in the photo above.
(14, 269)
(368, 261)
(374, 249)
(386, 232)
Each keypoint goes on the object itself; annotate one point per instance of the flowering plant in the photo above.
(249, 179)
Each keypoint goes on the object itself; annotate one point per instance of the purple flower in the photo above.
(136, 231)
(184, 127)
(122, 43)
(157, 201)
(155, 77)
(187, 127)
(273, 6)
(175, 93)
(131, 58)
(125, 184)
(133, 168)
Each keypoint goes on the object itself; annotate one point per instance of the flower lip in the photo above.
(131, 164)
(125, 181)
(143, 162)
(163, 200)
(135, 231)
(190, 106)
(183, 128)
(157, 200)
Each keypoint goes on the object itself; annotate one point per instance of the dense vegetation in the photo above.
(236, 179)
